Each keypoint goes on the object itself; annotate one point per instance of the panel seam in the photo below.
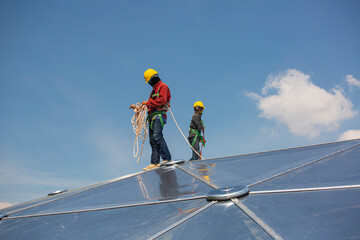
(181, 221)
(81, 190)
(277, 150)
(256, 219)
(104, 208)
(306, 189)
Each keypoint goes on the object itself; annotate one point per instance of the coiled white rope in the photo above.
(139, 124)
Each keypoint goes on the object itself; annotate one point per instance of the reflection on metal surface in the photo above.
(256, 219)
(182, 220)
(203, 169)
(339, 170)
(223, 220)
(138, 222)
(42, 201)
(305, 189)
(207, 178)
(313, 192)
(194, 184)
(303, 165)
(255, 168)
(102, 209)
(201, 178)
(168, 184)
(57, 192)
(170, 163)
(143, 188)
(227, 193)
(188, 211)
(159, 184)
(330, 215)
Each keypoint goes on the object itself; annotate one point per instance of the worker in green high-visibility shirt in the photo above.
(196, 126)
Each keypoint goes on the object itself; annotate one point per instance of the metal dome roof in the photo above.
(300, 193)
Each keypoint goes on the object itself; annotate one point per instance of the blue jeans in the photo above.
(157, 143)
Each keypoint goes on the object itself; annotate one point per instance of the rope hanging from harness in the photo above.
(139, 123)
(203, 145)
(201, 157)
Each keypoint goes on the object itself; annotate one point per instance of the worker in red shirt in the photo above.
(157, 104)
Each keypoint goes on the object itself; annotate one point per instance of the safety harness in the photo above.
(197, 135)
(151, 118)
(158, 113)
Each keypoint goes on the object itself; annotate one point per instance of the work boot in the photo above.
(151, 166)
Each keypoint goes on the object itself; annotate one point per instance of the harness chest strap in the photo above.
(157, 95)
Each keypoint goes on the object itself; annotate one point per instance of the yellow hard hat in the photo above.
(199, 104)
(148, 74)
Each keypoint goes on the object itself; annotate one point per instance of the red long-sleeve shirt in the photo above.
(156, 102)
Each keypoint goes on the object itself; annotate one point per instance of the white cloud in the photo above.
(352, 81)
(291, 98)
(271, 132)
(350, 134)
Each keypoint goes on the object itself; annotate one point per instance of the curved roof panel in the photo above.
(309, 192)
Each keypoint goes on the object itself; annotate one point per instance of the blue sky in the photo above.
(272, 75)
